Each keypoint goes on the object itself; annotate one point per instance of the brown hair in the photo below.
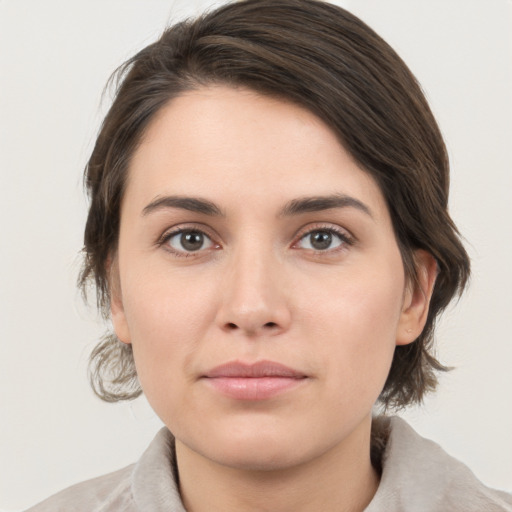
(325, 59)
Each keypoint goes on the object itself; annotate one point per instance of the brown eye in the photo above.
(192, 241)
(321, 240)
(189, 241)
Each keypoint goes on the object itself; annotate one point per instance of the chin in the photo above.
(260, 458)
(263, 447)
(256, 447)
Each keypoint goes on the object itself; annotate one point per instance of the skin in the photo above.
(257, 289)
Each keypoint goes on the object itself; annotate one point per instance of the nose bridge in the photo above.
(253, 296)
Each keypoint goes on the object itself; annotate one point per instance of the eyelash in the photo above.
(345, 238)
(167, 236)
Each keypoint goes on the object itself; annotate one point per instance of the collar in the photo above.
(417, 475)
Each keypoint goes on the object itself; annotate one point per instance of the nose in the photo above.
(253, 297)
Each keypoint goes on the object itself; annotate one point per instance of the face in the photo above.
(258, 280)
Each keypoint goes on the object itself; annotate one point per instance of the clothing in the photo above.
(417, 476)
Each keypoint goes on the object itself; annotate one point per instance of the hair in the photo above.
(323, 58)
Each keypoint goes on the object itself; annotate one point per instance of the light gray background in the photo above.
(55, 57)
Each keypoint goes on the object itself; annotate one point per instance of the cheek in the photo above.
(164, 303)
(356, 331)
(168, 316)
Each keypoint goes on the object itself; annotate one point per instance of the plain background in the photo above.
(55, 57)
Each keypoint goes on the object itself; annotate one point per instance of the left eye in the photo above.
(189, 241)
(321, 240)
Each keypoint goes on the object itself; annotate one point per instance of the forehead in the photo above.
(238, 144)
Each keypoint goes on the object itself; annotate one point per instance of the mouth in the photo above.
(258, 381)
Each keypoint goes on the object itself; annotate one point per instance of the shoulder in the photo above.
(102, 494)
(149, 485)
(417, 474)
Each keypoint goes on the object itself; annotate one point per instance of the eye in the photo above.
(322, 240)
(188, 241)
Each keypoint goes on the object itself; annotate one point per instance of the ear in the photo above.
(417, 298)
(117, 313)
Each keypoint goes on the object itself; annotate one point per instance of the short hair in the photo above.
(325, 59)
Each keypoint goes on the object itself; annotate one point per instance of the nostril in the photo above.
(233, 327)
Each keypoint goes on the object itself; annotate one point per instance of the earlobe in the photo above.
(417, 298)
(117, 313)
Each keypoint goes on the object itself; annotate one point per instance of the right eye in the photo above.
(186, 241)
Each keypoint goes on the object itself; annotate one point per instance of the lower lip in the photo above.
(253, 388)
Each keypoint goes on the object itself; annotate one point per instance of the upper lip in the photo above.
(254, 370)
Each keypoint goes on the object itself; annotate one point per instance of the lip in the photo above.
(257, 381)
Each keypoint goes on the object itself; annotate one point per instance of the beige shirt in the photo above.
(417, 476)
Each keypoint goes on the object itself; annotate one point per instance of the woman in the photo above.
(269, 234)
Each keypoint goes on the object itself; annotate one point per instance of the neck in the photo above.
(341, 479)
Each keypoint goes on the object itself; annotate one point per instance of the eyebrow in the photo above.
(294, 207)
(192, 204)
(320, 203)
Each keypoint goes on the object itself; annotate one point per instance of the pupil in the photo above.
(192, 241)
(321, 239)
